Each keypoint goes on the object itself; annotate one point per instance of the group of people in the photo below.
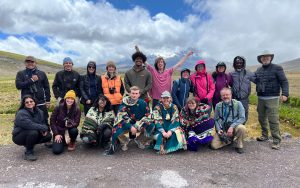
(157, 113)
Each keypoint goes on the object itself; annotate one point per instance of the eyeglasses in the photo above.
(91, 67)
(28, 102)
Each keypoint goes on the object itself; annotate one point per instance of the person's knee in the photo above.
(33, 134)
(73, 132)
(107, 133)
(57, 148)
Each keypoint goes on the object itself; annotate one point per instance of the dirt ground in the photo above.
(259, 166)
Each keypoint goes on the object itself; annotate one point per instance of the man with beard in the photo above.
(229, 118)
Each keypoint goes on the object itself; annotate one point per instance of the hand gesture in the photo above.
(230, 132)
(35, 78)
(58, 138)
(133, 130)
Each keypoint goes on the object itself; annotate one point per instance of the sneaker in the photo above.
(276, 146)
(139, 144)
(71, 146)
(29, 156)
(110, 151)
(262, 139)
(124, 147)
(239, 150)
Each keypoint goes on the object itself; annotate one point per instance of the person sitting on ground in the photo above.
(64, 121)
(30, 127)
(197, 124)
(112, 86)
(181, 89)
(229, 119)
(221, 80)
(98, 123)
(169, 136)
(130, 119)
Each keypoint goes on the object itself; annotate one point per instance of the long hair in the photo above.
(72, 110)
(156, 62)
(23, 102)
(107, 106)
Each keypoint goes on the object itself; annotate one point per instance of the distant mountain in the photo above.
(288, 66)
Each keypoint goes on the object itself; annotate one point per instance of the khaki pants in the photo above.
(239, 135)
(268, 113)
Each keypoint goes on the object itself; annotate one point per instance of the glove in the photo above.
(205, 101)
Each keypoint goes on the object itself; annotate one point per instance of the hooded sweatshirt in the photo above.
(203, 84)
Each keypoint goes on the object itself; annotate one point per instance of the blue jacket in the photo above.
(180, 92)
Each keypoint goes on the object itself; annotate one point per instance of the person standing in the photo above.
(271, 86)
(181, 89)
(66, 80)
(203, 84)
(90, 86)
(221, 80)
(241, 82)
(112, 86)
(229, 118)
(138, 76)
(162, 77)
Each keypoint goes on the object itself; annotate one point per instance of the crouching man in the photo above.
(229, 119)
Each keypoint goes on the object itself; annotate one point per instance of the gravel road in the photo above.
(259, 166)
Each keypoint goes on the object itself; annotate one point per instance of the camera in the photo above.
(33, 88)
(224, 138)
(112, 90)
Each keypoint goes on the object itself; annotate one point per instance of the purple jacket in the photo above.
(59, 116)
(221, 80)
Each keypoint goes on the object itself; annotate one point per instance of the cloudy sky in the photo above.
(108, 30)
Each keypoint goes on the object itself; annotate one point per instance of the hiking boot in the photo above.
(139, 144)
(239, 150)
(110, 151)
(29, 156)
(71, 146)
(262, 139)
(124, 147)
(275, 146)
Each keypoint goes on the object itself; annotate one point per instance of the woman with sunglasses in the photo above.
(30, 127)
(98, 123)
(90, 86)
(64, 121)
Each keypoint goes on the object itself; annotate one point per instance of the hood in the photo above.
(91, 63)
(185, 69)
(201, 62)
(221, 64)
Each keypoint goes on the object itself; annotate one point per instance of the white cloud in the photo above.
(98, 31)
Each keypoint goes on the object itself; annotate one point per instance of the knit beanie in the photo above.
(67, 59)
(70, 94)
(110, 64)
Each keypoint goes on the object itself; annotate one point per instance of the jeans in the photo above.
(58, 148)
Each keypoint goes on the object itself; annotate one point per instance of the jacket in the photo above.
(180, 92)
(65, 81)
(235, 115)
(59, 118)
(27, 120)
(270, 79)
(115, 83)
(241, 86)
(39, 89)
(85, 86)
(221, 80)
(141, 78)
(203, 84)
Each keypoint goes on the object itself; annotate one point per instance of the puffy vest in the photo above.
(116, 97)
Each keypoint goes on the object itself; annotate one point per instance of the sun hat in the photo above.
(265, 53)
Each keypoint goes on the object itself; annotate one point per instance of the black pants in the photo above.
(58, 148)
(29, 138)
(105, 135)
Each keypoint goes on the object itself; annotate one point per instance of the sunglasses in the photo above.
(28, 102)
(29, 61)
(91, 67)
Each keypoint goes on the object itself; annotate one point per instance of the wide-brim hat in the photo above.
(265, 53)
(30, 58)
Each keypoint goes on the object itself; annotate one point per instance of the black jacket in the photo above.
(40, 89)
(27, 120)
(85, 87)
(65, 81)
(270, 79)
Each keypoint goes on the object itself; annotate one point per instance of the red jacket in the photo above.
(203, 83)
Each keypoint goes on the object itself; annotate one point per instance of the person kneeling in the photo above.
(97, 126)
(64, 122)
(30, 127)
(229, 118)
